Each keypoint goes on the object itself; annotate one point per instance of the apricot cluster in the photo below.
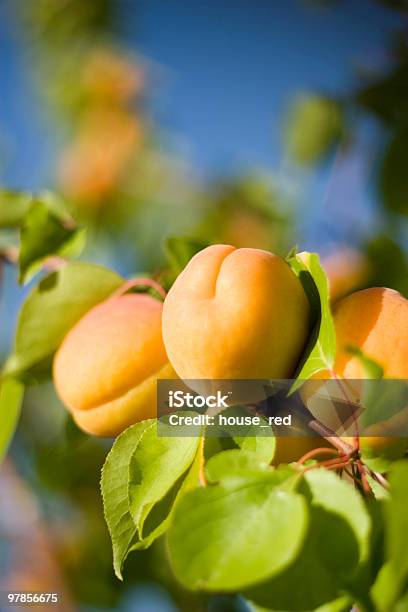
(231, 314)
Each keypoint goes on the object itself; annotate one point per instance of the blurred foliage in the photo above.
(389, 263)
(393, 177)
(314, 127)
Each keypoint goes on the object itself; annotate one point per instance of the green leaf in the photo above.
(143, 478)
(13, 207)
(227, 537)
(263, 446)
(49, 312)
(179, 251)
(114, 487)
(307, 583)
(391, 582)
(11, 397)
(320, 352)
(44, 233)
(159, 518)
(343, 604)
(235, 464)
(156, 464)
(334, 495)
(337, 542)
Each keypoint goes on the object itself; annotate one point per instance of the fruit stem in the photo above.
(140, 282)
(316, 451)
(378, 477)
(331, 436)
(366, 486)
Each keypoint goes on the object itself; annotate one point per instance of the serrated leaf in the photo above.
(49, 312)
(11, 397)
(320, 352)
(114, 487)
(157, 463)
(222, 537)
(143, 478)
(45, 233)
(159, 519)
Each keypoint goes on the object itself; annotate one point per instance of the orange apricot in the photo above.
(106, 368)
(235, 314)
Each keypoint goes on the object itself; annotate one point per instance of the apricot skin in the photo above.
(235, 314)
(375, 321)
(106, 368)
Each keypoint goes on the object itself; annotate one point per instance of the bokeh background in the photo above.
(252, 122)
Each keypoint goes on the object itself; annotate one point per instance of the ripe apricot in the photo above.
(375, 321)
(106, 368)
(235, 314)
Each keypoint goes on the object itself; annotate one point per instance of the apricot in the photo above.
(106, 368)
(235, 314)
(375, 321)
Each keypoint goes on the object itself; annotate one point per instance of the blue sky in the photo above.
(231, 67)
(222, 74)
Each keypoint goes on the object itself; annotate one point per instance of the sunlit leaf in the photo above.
(43, 234)
(143, 478)
(337, 542)
(114, 486)
(320, 351)
(227, 537)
